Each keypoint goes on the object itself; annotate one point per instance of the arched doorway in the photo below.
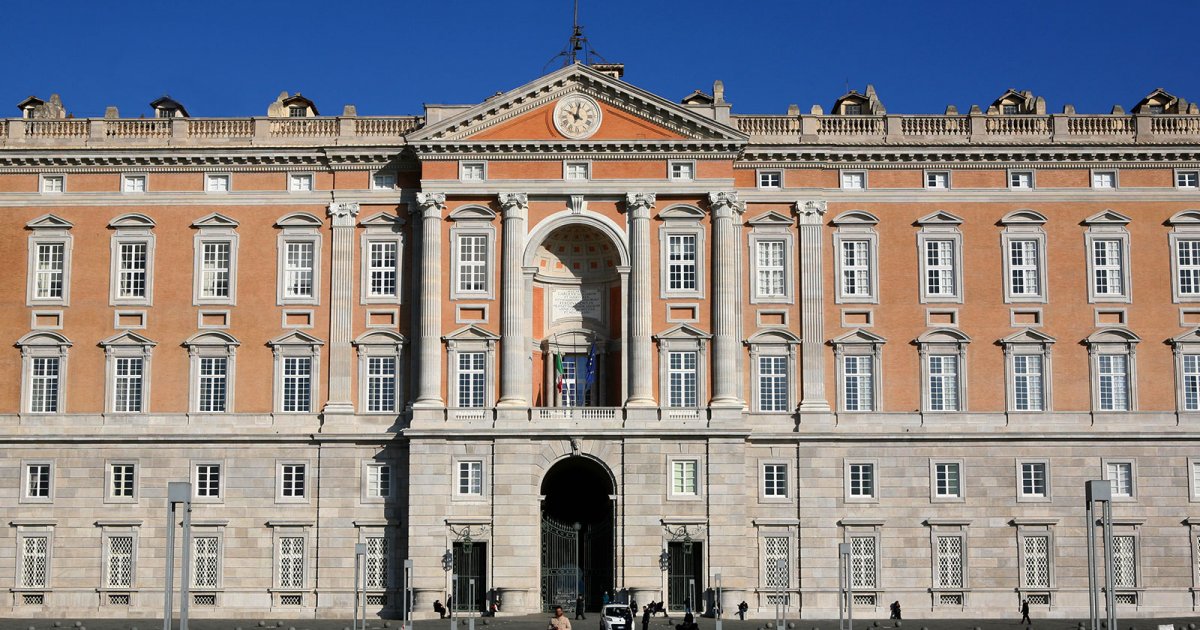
(578, 542)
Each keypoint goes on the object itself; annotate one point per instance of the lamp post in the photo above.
(664, 562)
(448, 566)
(719, 606)
(360, 552)
(845, 587)
(577, 527)
(1100, 492)
(178, 492)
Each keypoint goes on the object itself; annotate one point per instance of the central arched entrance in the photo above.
(578, 542)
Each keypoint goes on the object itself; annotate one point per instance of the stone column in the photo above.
(812, 306)
(429, 369)
(727, 299)
(341, 290)
(641, 390)
(514, 207)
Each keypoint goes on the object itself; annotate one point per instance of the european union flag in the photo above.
(589, 377)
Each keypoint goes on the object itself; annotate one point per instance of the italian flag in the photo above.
(558, 373)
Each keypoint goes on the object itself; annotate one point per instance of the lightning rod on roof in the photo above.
(577, 46)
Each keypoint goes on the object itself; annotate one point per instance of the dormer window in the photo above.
(297, 112)
(1010, 109)
(853, 109)
(1157, 109)
(166, 113)
(28, 112)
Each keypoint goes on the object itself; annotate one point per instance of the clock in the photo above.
(577, 116)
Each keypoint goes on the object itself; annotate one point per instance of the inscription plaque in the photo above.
(576, 302)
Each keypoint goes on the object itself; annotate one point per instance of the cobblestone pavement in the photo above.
(538, 622)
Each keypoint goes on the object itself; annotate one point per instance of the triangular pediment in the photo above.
(1109, 217)
(127, 338)
(858, 335)
(384, 219)
(1028, 335)
(49, 222)
(771, 219)
(296, 338)
(1191, 336)
(682, 331)
(472, 333)
(941, 217)
(215, 220)
(526, 114)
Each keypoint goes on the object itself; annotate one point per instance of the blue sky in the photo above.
(228, 58)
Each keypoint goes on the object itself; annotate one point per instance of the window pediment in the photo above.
(858, 336)
(773, 336)
(939, 218)
(1185, 219)
(943, 335)
(855, 217)
(132, 220)
(681, 211)
(682, 331)
(295, 338)
(385, 220)
(471, 333)
(1023, 217)
(127, 338)
(43, 338)
(1107, 217)
(472, 212)
(771, 219)
(215, 220)
(1028, 336)
(1190, 337)
(299, 219)
(211, 338)
(49, 222)
(1113, 335)
(379, 338)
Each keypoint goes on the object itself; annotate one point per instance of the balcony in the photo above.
(575, 414)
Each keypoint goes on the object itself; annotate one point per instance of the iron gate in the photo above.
(560, 565)
(685, 570)
(470, 569)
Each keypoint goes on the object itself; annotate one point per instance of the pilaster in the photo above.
(641, 387)
(514, 373)
(429, 370)
(341, 290)
(727, 299)
(812, 306)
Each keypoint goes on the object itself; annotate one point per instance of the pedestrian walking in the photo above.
(687, 607)
(604, 599)
(579, 608)
(1025, 613)
(559, 621)
(633, 609)
(646, 617)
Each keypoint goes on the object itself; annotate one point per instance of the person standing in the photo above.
(645, 618)
(604, 599)
(1025, 613)
(559, 621)
(579, 608)
(742, 608)
(633, 609)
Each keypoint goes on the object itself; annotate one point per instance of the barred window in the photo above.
(775, 481)
(1023, 268)
(50, 268)
(1027, 382)
(211, 387)
(382, 269)
(121, 481)
(471, 379)
(939, 268)
(377, 562)
(943, 383)
(777, 556)
(131, 270)
(862, 562)
(208, 480)
(298, 269)
(472, 263)
(858, 383)
(119, 573)
(682, 382)
(291, 562)
(206, 558)
(214, 269)
(681, 262)
(43, 384)
(1124, 562)
(1114, 382)
(292, 481)
(770, 267)
(35, 561)
(127, 389)
(37, 481)
(379, 480)
(1108, 275)
(297, 384)
(856, 268)
(1037, 561)
(381, 383)
(470, 478)
(683, 477)
(772, 384)
(862, 480)
(949, 562)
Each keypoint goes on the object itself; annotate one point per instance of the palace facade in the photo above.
(582, 337)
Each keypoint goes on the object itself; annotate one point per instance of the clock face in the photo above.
(577, 116)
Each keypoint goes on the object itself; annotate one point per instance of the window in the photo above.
(300, 182)
(291, 562)
(863, 562)
(1035, 572)
(49, 271)
(937, 180)
(1009, 109)
(775, 480)
(472, 263)
(681, 372)
(856, 268)
(132, 265)
(382, 268)
(127, 384)
(770, 179)
(298, 269)
(1190, 381)
(1124, 562)
(947, 480)
(38, 480)
(379, 481)
(1113, 382)
(1107, 267)
(1027, 382)
(122, 480)
(44, 384)
(1104, 179)
(943, 382)
(381, 384)
(683, 171)
(1024, 268)
(292, 481)
(772, 383)
(861, 480)
(377, 563)
(858, 383)
(1183, 179)
(133, 184)
(854, 180)
(35, 561)
(949, 562)
(119, 570)
(856, 257)
(577, 170)
(471, 379)
(1187, 267)
(472, 171)
(770, 276)
(215, 260)
(211, 385)
(683, 477)
(207, 558)
(383, 181)
(208, 481)
(216, 183)
(852, 109)
(54, 183)
(940, 276)
(297, 384)
(1120, 478)
(297, 111)
(470, 478)
(777, 562)
(1020, 180)
(681, 265)
(1034, 480)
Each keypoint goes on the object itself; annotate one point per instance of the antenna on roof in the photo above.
(577, 46)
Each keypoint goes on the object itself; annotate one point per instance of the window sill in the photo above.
(113, 589)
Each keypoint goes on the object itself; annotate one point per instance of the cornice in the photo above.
(162, 160)
(965, 157)
(549, 150)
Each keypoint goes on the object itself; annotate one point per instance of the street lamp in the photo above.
(845, 586)
(447, 566)
(1100, 492)
(576, 526)
(664, 562)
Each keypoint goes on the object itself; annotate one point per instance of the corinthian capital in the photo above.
(431, 202)
(640, 204)
(510, 202)
(721, 200)
(811, 210)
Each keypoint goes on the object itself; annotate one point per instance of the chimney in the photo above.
(614, 70)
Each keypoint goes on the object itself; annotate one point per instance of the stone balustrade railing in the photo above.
(971, 129)
(142, 132)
